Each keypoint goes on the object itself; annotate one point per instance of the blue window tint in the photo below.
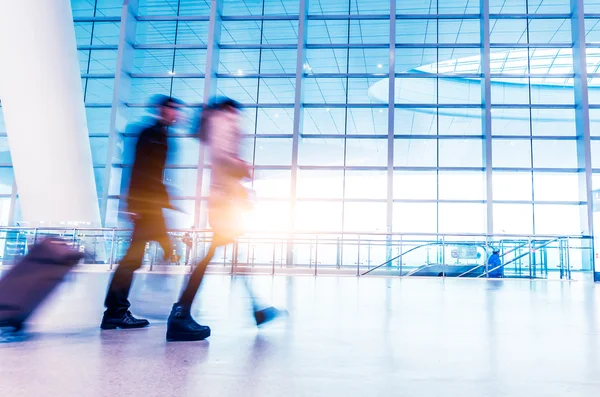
(98, 120)
(192, 32)
(109, 8)
(241, 32)
(159, 7)
(415, 153)
(183, 151)
(459, 91)
(270, 151)
(6, 180)
(190, 90)
(553, 122)
(415, 122)
(190, 61)
(5, 157)
(410, 58)
(327, 32)
(275, 121)
(323, 152)
(508, 31)
(368, 60)
(100, 91)
(548, 6)
(99, 180)
(555, 154)
(83, 8)
(369, 32)
(242, 90)
(366, 152)
(416, 31)
(280, 32)
(181, 182)
(550, 31)
(142, 89)
(323, 121)
(341, 7)
(460, 152)
(408, 90)
(103, 61)
(155, 32)
(359, 90)
(99, 148)
(510, 121)
(437, 6)
(460, 121)
(326, 60)
(508, 6)
(458, 31)
(511, 153)
(194, 7)
(84, 57)
(238, 61)
(106, 33)
(367, 121)
(277, 91)
(325, 90)
(278, 61)
(152, 61)
(83, 33)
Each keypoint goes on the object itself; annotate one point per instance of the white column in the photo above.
(42, 102)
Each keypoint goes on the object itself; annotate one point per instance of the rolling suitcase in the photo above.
(26, 285)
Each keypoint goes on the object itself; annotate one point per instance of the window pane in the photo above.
(271, 151)
(323, 121)
(513, 218)
(365, 217)
(366, 184)
(511, 185)
(415, 153)
(99, 91)
(459, 121)
(318, 216)
(367, 121)
(6, 180)
(272, 184)
(366, 152)
(461, 152)
(511, 153)
(461, 218)
(511, 122)
(555, 154)
(329, 152)
(557, 219)
(556, 186)
(461, 185)
(325, 90)
(414, 218)
(181, 182)
(99, 147)
(277, 91)
(321, 184)
(238, 61)
(275, 121)
(415, 185)
(243, 90)
(409, 90)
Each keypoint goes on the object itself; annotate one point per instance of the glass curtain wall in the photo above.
(360, 116)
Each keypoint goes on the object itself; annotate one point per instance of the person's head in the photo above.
(496, 252)
(167, 108)
(216, 105)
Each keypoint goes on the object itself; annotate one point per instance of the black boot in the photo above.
(182, 327)
(126, 321)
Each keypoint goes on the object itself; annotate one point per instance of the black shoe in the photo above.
(269, 314)
(182, 327)
(127, 321)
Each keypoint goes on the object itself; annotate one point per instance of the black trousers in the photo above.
(148, 227)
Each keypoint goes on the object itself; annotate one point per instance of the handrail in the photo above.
(295, 233)
(519, 257)
(399, 256)
(483, 264)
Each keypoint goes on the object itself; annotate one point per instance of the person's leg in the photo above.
(117, 304)
(187, 297)
(181, 326)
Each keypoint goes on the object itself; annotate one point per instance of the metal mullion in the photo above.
(391, 126)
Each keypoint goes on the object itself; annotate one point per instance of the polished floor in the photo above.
(345, 336)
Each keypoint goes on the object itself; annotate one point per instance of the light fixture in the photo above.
(240, 71)
(171, 72)
(380, 110)
(379, 66)
(327, 109)
(276, 115)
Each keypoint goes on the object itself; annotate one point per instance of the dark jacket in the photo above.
(147, 191)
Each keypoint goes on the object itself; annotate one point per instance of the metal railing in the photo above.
(342, 253)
